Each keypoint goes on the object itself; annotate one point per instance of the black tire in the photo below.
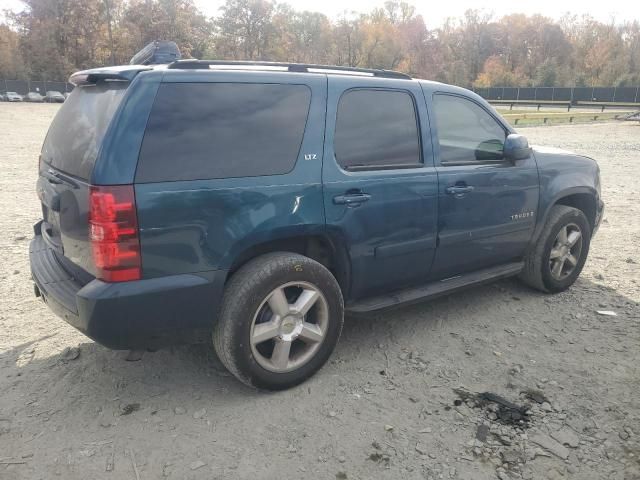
(245, 294)
(537, 269)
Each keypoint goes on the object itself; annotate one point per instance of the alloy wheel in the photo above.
(566, 251)
(289, 326)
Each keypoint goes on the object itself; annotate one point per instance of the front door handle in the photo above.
(458, 189)
(351, 199)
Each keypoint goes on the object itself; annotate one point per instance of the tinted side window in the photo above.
(220, 130)
(376, 128)
(466, 132)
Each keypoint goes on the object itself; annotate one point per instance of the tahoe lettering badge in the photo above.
(519, 216)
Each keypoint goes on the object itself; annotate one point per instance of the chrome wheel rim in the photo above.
(289, 326)
(566, 251)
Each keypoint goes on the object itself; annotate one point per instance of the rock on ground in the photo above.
(63, 419)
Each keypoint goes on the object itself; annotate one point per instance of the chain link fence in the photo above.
(562, 94)
(40, 86)
(524, 94)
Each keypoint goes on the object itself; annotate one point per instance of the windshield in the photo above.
(75, 136)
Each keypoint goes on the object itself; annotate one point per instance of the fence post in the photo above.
(518, 94)
(635, 100)
(553, 94)
(614, 94)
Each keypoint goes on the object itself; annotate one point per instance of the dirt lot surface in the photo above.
(383, 408)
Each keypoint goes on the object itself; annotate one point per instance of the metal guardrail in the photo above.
(550, 117)
(568, 105)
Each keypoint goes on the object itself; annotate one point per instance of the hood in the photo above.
(551, 150)
(544, 151)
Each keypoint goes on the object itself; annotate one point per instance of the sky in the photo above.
(436, 12)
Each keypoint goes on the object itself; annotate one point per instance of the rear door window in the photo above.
(221, 130)
(76, 133)
(377, 129)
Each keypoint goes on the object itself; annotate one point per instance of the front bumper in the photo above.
(599, 215)
(142, 314)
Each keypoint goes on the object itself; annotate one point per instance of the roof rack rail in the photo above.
(193, 64)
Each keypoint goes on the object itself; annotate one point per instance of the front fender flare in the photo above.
(545, 209)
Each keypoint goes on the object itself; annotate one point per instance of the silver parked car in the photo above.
(33, 97)
(13, 97)
(53, 96)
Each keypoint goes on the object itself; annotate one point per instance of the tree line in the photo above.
(49, 39)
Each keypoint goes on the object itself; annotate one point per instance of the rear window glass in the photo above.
(76, 133)
(220, 130)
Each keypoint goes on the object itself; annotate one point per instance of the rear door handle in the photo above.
(351, 199)
(458, 189)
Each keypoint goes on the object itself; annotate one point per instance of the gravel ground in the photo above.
(384, 407)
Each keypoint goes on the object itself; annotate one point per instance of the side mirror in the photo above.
(490, 150)
(516, 147)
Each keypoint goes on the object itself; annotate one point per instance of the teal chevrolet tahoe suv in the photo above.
(256, 203)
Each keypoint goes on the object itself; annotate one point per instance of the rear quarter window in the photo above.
(77, 131)
(221, 130)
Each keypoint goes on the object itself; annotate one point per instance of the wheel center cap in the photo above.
(290, 327)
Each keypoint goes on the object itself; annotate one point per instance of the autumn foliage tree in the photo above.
(52, 38)
(496, 72)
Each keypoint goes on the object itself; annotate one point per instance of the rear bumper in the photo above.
(142, 314)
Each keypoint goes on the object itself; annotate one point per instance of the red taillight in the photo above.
(113, 231)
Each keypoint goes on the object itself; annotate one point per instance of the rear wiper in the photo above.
(54, 177)
(51, 176)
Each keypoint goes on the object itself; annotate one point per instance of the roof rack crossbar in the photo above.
(193, 64)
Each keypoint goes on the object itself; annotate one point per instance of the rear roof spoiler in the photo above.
(125, 73)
